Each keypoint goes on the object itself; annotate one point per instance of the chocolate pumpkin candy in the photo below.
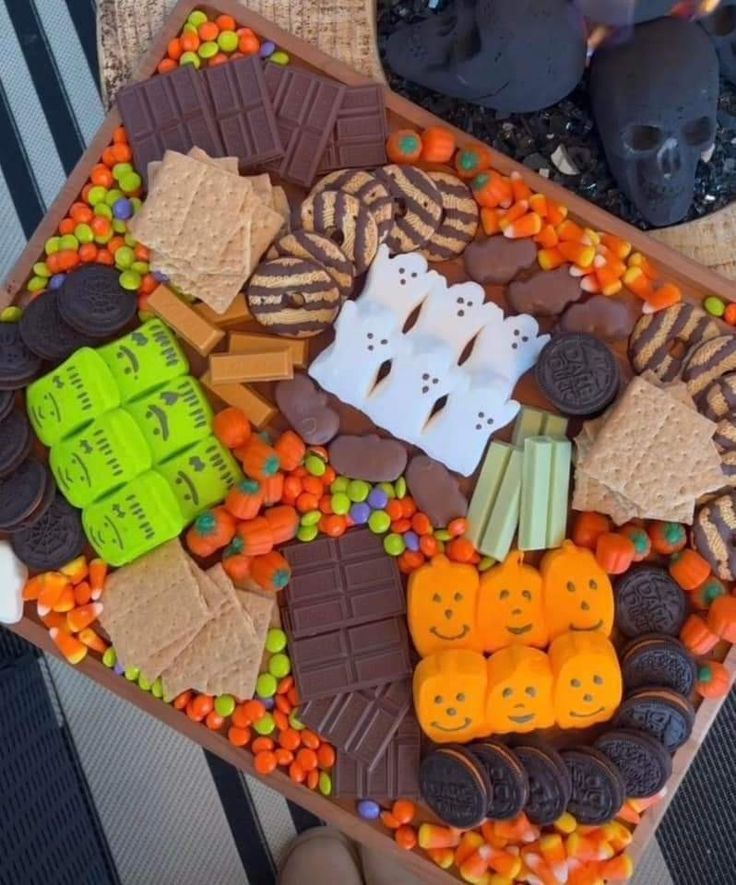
(450, 695)
(577, 592)
(511, 605)
(441, 607)
(588, 683)
(519, 691)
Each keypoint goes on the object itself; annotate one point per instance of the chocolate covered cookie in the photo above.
(608, 318)
(597, 787)
(496, 260)
(649, 601)
(719, 397)
(417, 207)
(657, 660)
(16, 440)
(642, 762)
(578, 374)
(92, 301)
(507, 776)
(371, 458)
(293, 297)
(545, 294)
(19, 365)
(343, 219)
(306, 409)
(369, 189)
(55, 539)
(314, 247)
(662, 340)
(435, 490)
(45, 332)
(550, 785)
(660, 712)
(458, 221)
(714, 535)
(455, 786)
(709, 361)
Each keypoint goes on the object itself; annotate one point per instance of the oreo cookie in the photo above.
(550, 786)
(507, 776)
(45, 332)
(55, 539)
(656, 660)
(454, 784)
(92, 301)
(7, 400)
(660, 712)
(578, 374)
(18, 364)
(597, 787)
(641, 760)
(25, 495)
(16, 441)
(649, 601)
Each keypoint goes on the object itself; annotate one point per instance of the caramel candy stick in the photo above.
(187, 324)
(250, 342)
(234, 368)
(237, 312)
(258, 410)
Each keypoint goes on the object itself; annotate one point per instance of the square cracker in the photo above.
(229, 164)
(265, 224)
(153, 608)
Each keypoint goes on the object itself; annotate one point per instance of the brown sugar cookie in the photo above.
(343, 219)
(656, 334)
(714, 535)
(417, 207)
(459, 219)
(709, 361)
(719, 397)
(314, 247)
(368, 188)
(293, 297)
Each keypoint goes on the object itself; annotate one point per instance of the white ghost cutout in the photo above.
(365, 337)
(507, 348)
(400, 283)
(456, 314)
(458, 434)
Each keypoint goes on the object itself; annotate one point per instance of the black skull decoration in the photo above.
(654, 101)
(510, 55)
(721, 28)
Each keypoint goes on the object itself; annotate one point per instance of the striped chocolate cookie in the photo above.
(714, 535)
(371, 192)
(418, 207)
(719, 397)
(725, 435)
(343, 219)
(728, 466)
(657, 335)
(315, 247)
(293, 297)
(458, 221)
(710, 360)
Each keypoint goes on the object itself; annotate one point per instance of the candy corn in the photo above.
(72, 649)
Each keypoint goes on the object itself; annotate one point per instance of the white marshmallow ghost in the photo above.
(420, 375)
(456, 314)
(365, 337)
(507, 348)
(458, 434)
(400, 283)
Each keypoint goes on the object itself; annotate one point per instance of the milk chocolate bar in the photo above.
(359, 137)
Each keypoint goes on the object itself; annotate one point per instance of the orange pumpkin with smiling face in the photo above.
(577, 592)
(519, 691)
(510, 606)
(588, 684)
(450, 694)
(441, 605)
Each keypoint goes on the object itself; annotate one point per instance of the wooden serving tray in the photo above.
(696, 282)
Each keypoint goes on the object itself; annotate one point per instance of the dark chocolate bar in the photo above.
(339, 583)
(243, 111)
(361, 723)
(396, 774)
(359, 137)
(168, 112)
(306, 107)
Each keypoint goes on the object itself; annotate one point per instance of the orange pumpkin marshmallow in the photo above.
(441, 607)
(588, 684)
(577, 592)
(519, 691)
(450, 695)
(511, 606)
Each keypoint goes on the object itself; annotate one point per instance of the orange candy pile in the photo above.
(206, 42)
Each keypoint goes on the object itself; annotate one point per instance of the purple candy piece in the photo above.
(122, 209)
(267, 48)
(118, 669)
(268, 703)
(411, 539)
(377, 499)
(160, 276)
(359, 513)
(368, 809)
(57, 280)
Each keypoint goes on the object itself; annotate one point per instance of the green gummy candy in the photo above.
(200, 476)
(71, 397)
(133, 520)
(96, 460)
(173, 417)
(144, 359)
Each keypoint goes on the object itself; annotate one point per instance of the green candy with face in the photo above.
(98, 459)
(74, 394)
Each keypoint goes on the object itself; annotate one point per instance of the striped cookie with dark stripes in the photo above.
(725, 435)
(293, 297)
(458, 221)
(315, 247)
(417, 207)
(714, 535)
(655, 334)
(371, 192)
(719, 398)
(709, 361)
(343, 219)
(728, 466)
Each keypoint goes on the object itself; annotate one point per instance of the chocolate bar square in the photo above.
(359, 137)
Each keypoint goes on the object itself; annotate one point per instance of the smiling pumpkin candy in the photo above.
(519, 691)
(450, 695)
(587, 679)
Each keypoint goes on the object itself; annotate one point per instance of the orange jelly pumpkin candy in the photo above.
(587, 676)
(519, 691)
(450, 695)
(441, 605)
(577, 592)
(511, 606)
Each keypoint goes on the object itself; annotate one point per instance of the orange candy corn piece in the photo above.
(72, 649)
(82, 616)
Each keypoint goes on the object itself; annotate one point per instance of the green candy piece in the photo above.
(37, 284)
(118, 225)
(224, 705)
(110, 657)
(173, 417)
(358, 490)
(442, 535)
(266, 685)
(388, 488)
(325, 783)
(227, 41)
(131, 181)
(71, 396)
(379, 522)
(144, 683)
(96, 195)
(279, 665)
(200, 476)
(394, 544)
(187, 58)
(189, 28)
(103, 210)
(307, 532)
(311, 517)
(141, 267)
(40, 268)
(295, 722)
(130, 280)
(196, 17)
(157, 689)
(208, 49)
(714, 305)
(485, 563)
(52, 245)
(279, 57)
(132, 674)
(315, 465)
(275, 640)
(265, 725)
(339, 484)
(340, 503)
(115, 193)
(133, 520)
(11, 314)
(69, 241)
(124, 257)
(145, 358)
(99, 458)
(84, 233)
(400, 487)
